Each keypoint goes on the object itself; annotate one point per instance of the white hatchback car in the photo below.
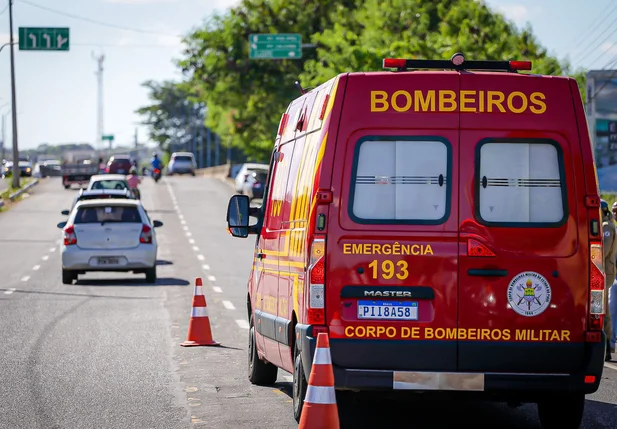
(109, 235)
(108, 181)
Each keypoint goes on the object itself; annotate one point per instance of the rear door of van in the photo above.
(392, 242)
(523, 266)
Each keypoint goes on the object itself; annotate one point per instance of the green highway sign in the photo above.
(43, 39)
(109, 137)
(275, 46)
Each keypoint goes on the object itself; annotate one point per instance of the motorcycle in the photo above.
(156, 174)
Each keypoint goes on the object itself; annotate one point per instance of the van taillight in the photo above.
(69, 236)
(317, 281)
(596, 287)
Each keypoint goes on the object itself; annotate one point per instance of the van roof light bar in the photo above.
(457, 62)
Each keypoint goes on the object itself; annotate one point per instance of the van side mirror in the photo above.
(65, 212)
(61, 225)
(157, 223)
(238, 216)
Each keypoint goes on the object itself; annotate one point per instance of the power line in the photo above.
(96, 22)
(592, 27)
(604, 52)
(587, 51)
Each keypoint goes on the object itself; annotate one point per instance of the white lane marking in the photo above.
(606, 364)
(181, 217)
(183, 222)
(10, 291)
(36, 267)
(200, 257)
(212, 278)
(195, 248)
(242, 323)
(176, 207)
(186, 228)
(206, 267)
(191, 241)
(46, 257)
(217, 289)
(53, 249)
(228, 305)
(188, 234)
(25, 278)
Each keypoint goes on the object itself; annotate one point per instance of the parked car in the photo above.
(182, 163)
(245, 172)
(109, 235)
(119, 164)
(254, 185)
(99, 194)
(108, 181)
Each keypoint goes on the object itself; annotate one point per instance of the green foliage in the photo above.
(245, 98)
(173, 114)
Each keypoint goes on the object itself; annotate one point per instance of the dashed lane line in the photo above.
(36, 267)
(9, 291)
(25, 278)
(196, 249)
(188, 234)
(53, 249)
(191, 241)
(186, 228)
(200, 257)
(183, 222)
(242, 323)
(46, 257)
(228, 305)
(217, 289)
(212, 278)
(206, 267)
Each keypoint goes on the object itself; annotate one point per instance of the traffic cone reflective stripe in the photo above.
(200, 332)
(320, 410)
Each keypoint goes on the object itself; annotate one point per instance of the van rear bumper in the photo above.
(527, 387)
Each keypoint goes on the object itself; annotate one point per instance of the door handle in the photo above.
(479, 272)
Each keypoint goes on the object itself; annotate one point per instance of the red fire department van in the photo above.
(443, 227)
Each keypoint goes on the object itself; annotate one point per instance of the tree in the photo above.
(173, 115)
(246, 97)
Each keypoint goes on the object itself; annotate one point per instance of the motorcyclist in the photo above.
(134, 181)
(156, 162)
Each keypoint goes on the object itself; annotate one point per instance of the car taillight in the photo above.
(146, 235)
(596, 287)
(69, 236)
(317, 281)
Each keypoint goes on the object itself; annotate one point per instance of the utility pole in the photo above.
(99, 117)
(136, 138)
(16, 172)
(208, 149)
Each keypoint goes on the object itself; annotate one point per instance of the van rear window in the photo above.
(521, 183)
(401, 180)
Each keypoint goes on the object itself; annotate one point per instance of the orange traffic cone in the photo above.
(199, 333)
(320, 410)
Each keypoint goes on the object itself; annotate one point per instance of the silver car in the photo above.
(109, 235)
(182, 163)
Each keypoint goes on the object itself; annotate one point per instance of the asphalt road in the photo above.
(104, 353)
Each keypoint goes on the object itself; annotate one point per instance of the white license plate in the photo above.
(108, 261)
(120, 171)
(388, 310)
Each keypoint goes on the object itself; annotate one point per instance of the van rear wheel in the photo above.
(299, 384)
(562, 412)
(260, 373)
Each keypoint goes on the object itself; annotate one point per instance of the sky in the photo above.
(57, 91)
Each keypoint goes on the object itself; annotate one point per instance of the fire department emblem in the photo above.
(529, 294)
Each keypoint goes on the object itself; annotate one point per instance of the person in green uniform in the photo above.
(610, 255)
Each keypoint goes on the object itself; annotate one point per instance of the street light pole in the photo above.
(16, 171)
